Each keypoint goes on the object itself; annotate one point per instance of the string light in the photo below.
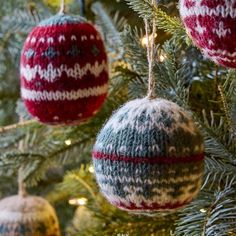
(91, 169)
(68, 142)
(144, 40)
(203, 210)
(162, 57)
(78, 201)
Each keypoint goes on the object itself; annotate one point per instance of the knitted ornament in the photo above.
(64, 70)
(149, 157)
(28, 216)
(211, 26)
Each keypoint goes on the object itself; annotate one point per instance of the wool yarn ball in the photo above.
(149, 157)
(28, 216)
(63, 70)
(211, 26)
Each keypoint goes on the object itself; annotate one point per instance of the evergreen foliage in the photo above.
(56, 161)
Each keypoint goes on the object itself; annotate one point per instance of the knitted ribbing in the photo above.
(149, 156)
(211, 26)
(28, 216)
(64, 70)
(62, 19)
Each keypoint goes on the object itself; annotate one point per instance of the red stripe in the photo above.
(150, 160)
(153, 207)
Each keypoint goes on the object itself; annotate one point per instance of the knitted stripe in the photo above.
(109, 167)
(64, 84)
(57, 95)
(157, 202)
(6, 216)
(223, 8)
(171, 186)
(178, 180)
(62, 20)
(143, 207)
(151, 160)
(50, 40)
(161, 183)
(50, 73)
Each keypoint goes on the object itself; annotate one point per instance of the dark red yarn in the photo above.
(153, 207)
(66, 111)
(213, 46)
(149, 160)
(69, 110)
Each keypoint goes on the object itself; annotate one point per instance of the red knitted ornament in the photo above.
(211, 26)
(64, 71)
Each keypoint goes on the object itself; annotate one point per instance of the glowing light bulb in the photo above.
(203, 210)
(162, 57)
(78, 201)
(144, 40)
(91, 169)
(82, 201)
(72, 201)
(68, 142)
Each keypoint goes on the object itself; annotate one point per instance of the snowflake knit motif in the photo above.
(211, 26)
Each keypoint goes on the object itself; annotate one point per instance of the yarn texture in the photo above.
(211, 26)
(28, 216)
(149, 157)
(64, 70)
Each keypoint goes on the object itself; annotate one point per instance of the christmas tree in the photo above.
(55, 162)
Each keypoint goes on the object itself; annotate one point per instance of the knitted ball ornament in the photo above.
(149, 157)
(64, 70)
(211, 26)
(28, 216)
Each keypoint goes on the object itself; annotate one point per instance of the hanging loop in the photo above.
(150, 56)
(21, 185)
(62, 8)
(22, 189)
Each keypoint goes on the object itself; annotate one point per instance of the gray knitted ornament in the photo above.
(149, 157)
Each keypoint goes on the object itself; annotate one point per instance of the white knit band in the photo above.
(66, 95)
(51, 73)
(201, 10)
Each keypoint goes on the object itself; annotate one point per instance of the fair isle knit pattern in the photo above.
(64, 70)
(28, 216)
(149, 157)
(211, 26)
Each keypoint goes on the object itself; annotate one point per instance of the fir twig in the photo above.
(16, 126)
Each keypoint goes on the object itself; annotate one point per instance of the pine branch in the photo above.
(16, 126)
(75, 183)
(169, 24)
(110, 29)
(213, 213)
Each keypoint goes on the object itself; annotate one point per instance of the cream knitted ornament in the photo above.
(149, 157)
(27, 216)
